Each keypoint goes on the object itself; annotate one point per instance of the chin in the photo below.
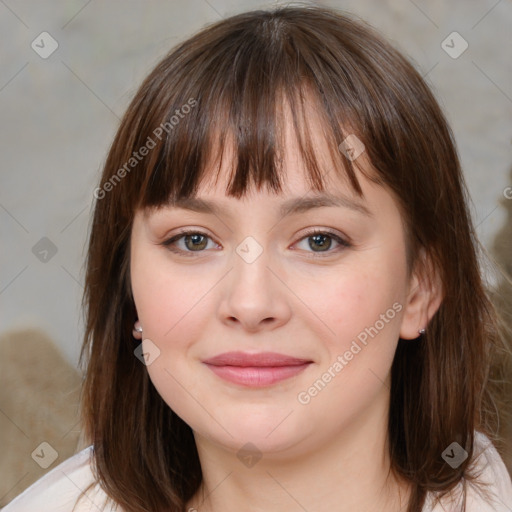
(267, 435)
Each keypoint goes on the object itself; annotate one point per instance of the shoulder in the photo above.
(493, 472)
(59, 489)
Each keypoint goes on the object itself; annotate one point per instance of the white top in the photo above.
(58, 490)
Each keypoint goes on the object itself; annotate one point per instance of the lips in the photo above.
(261, 359)
(256, 370)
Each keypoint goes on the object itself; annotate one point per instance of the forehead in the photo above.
(297, 195)
(296, 171)
(291, 149)
(296, 181)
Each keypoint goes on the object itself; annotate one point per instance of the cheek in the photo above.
(354, 300)
(171, 308)
(172, 305)
(152, 292)
(152, 295)
(362, 312)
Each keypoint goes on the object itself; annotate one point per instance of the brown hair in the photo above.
(228, 81)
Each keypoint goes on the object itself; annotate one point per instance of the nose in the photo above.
(254, 297)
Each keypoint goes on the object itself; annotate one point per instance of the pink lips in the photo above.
(256, 370)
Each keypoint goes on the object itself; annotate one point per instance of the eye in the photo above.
(197, 241)
(194, 240)
(319, 239)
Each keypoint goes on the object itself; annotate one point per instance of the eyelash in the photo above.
(343, 243)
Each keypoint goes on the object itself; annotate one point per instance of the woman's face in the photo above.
(252, 280)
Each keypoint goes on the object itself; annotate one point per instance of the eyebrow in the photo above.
(292, 206)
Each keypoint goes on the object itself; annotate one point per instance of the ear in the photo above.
(423, 299)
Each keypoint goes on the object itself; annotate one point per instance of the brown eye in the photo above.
(197, 241)
(194, 241)
(321, 242)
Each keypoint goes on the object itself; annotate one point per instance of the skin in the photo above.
(328, 454)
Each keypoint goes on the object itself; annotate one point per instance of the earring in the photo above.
(137, 330)
(421, 331)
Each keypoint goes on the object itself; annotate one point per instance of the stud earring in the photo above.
(137, 330)
(421, 331)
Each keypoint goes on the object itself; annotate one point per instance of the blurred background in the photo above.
(69, 70)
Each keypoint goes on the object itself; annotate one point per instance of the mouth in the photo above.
(256, 370)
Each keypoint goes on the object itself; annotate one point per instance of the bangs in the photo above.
(240, 85)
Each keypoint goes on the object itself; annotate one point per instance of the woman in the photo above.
(326, 337)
